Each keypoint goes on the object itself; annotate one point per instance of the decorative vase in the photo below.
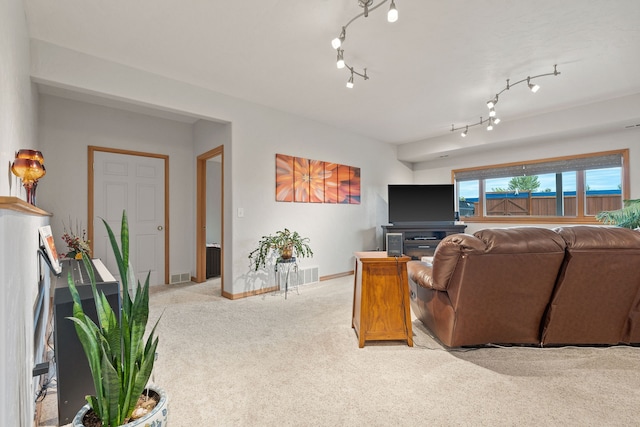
(156, 418)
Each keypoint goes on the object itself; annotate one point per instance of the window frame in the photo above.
(580, 217)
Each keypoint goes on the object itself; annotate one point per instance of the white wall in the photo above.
(18, 233)
(251, 136)
(439, 171)
(67, 127)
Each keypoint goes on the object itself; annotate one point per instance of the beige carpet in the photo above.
(267, 361)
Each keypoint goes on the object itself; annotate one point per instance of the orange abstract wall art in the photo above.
(314, 181)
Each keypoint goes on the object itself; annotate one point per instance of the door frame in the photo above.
(201, 215)
(91, 150)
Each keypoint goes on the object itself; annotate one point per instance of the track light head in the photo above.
(340, 61)
(532, 86)
(490, 125)
(465, 132)
(350, 81)
(337, 42)
(492, 102)
(492, 112)
(496, 120)
(392, 14)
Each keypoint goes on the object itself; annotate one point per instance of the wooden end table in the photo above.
(381, 309)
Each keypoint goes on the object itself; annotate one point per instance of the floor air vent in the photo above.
(308, 275)
(179, 278)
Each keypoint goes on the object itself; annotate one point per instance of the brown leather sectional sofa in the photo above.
(535, 286)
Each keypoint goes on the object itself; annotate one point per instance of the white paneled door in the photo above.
(134, 183)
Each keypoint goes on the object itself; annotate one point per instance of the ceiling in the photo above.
(436, 66)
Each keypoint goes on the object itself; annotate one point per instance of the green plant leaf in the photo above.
(627, 217)
(120, 360)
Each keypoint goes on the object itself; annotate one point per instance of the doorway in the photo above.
(204, 162)
(138, 183)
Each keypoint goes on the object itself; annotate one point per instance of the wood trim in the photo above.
(249, 293)
(18, 205)
(201, 219)
(336, 276)
(626, 176)
(90, 195)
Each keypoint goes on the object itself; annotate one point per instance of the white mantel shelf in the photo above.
(19, 205)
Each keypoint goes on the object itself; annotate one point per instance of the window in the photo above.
(565, 189)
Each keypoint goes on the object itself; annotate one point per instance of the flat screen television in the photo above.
(419, 204)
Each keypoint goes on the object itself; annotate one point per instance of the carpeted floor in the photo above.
(267, 361)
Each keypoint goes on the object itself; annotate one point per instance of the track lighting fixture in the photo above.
(336, 43)
(392, 14)
(490, 125)
(350, 81)
(365, 4)
(533, 87)
(340, 63)
(493, 120)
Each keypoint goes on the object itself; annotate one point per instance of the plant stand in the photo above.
(284, 267)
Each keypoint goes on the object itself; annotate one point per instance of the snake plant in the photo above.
(119, 357)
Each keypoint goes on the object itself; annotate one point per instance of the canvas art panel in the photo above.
(314, 181)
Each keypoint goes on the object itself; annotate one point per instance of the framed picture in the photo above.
(50, 248)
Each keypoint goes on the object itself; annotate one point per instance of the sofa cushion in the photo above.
(520, 240)
(598, 286)
(586, 237)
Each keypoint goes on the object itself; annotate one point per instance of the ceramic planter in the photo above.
(156, 418)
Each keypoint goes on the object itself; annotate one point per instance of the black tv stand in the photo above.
(420, 240)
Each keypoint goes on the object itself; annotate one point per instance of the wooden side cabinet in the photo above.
(381, 308)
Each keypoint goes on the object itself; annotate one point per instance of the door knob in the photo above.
(160, 228)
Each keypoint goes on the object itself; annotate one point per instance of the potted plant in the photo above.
(286, 243)
(120, 359)
(627, 217)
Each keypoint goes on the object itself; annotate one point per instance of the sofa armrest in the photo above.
(448, 254)
(437, 275)
(421, 273)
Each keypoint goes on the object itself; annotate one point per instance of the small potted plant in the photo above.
(77, 242)
(285, 242)
(120, 359)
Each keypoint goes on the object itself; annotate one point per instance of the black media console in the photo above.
(420, 240)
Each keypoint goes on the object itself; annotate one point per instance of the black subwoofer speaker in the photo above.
(394, 244)
(72, 369)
